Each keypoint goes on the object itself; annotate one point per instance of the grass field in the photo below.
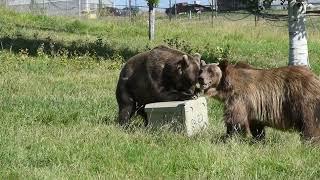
(57, 112)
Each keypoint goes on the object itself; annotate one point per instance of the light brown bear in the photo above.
(283, 98)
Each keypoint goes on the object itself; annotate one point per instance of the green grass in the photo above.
(57, 121)
(264, 45)
(57, 112)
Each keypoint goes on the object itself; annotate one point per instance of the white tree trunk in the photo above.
(151, 22)
(298, 47)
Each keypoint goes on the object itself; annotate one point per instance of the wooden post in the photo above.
(175, 8)
(212, 12)
(170, 10)
(130, 13)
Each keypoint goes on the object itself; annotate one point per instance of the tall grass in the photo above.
(264, 45)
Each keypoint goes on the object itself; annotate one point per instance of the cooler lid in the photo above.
(170, 104)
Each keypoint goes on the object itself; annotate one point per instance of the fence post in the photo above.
(100, 9)
(175, 8)
(212, 12)
(44, 8)
(79, 8)
(130, 15)
(170, 10)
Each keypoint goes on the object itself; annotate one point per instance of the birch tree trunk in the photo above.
(298, 47)
(151, 22)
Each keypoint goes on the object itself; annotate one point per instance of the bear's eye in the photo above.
(201, 71)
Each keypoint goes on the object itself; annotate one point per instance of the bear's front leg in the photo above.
(236, 119)
(126, 104)
(257, 130)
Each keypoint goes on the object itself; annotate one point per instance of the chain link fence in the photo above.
(81, 8)
(99, 8)
(93, 9)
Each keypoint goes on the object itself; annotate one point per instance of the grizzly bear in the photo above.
(161, 74)
(284, 98)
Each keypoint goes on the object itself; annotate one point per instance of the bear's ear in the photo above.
(197, 57)
(223, 65)
(203, 63)
(243, 65)
(183, 64)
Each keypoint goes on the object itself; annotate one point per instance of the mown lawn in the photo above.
(57, 121)
(57, 112)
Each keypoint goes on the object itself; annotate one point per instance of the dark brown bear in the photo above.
(161, 74)
(283, 98)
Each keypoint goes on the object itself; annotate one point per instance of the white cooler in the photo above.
(190, 117)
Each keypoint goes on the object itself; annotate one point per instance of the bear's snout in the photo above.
(201, 80)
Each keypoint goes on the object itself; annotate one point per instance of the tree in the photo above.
(298, 47)
(152, 4)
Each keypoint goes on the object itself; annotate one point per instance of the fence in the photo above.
(104, 8)
(93, 8)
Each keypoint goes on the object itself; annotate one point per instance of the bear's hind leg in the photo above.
(311, 133)
(310, 130)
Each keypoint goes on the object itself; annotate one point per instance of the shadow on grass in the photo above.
(97, 48)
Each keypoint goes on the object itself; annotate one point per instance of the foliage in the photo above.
(153, 3)
(208, 53)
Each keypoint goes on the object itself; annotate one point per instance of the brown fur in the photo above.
(209, 78)
(161, 74)
(283, 98)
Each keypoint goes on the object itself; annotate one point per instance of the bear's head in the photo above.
(209, 78)
(183, 73)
